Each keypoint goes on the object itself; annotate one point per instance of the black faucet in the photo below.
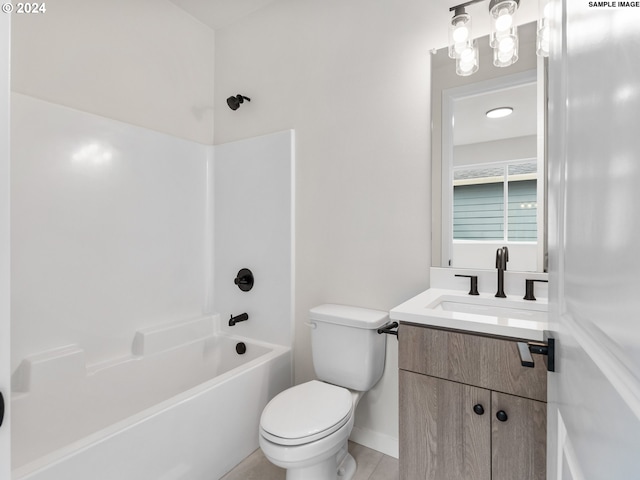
(240, 318)
(502, 257)
(473, 290)
(528, 295)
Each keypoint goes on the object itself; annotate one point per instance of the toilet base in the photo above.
(341, 466)
(347, 469)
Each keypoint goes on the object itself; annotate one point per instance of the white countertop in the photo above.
(454, 309)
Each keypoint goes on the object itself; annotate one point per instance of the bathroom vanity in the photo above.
(469, 409)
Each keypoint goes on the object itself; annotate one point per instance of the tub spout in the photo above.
(243, 317)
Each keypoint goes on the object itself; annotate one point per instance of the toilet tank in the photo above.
(346, 347)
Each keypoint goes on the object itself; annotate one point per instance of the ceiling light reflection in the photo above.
(499, 112)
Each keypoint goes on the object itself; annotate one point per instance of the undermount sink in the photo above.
(494, 307)
(511, 317)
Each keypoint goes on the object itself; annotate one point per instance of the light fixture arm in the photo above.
(465, 4)
(473, 2)
(493, 3)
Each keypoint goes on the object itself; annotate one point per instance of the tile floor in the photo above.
(372, 465)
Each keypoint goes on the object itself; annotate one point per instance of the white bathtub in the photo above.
(183, 406)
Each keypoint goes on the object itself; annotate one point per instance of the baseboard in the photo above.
(378, 441)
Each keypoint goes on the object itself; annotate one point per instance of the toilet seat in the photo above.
(306, 413)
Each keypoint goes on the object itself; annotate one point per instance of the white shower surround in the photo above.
(113, 234)
(108, 230)
(254, 211)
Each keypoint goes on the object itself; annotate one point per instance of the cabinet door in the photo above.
(441, 437)
(519, 437)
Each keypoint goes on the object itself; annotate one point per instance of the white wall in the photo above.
(352, 78)
(107, 230)
(522, 256)
(253, 198)
(505, 149)
(144, 62)
(5, 23)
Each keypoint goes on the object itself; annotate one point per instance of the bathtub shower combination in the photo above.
(185, 405)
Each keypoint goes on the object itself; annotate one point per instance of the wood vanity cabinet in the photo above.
(468, 409)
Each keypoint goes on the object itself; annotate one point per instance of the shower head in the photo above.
(234, 102)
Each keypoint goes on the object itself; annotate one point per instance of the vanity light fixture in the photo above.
(503, 38)
(499, 112)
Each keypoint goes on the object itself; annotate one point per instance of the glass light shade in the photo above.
(505, 52)
(459, 33)
(502, 13)
(542, 41)
(467, 63)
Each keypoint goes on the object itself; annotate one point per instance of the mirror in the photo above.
(488, 175)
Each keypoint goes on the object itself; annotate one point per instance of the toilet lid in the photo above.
(306, 413)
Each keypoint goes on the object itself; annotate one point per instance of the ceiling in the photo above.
(220, 13)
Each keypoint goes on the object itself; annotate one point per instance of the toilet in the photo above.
(305, 429)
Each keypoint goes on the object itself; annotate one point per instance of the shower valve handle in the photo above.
(244, 279)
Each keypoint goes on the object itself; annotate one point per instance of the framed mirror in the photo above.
(488, 174)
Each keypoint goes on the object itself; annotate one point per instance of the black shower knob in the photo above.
(244, 280)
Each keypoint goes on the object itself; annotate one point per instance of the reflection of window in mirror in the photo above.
(495, 202)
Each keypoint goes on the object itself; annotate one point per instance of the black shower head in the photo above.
(234, 102)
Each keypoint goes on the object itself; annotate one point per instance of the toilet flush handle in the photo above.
(311, 324)
(390, 328)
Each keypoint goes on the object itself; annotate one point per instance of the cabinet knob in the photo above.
(478, 409)
(502, 416)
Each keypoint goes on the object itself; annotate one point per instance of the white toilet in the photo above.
(305, 428)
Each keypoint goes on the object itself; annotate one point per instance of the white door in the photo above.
(594, 222)
(4, 241)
